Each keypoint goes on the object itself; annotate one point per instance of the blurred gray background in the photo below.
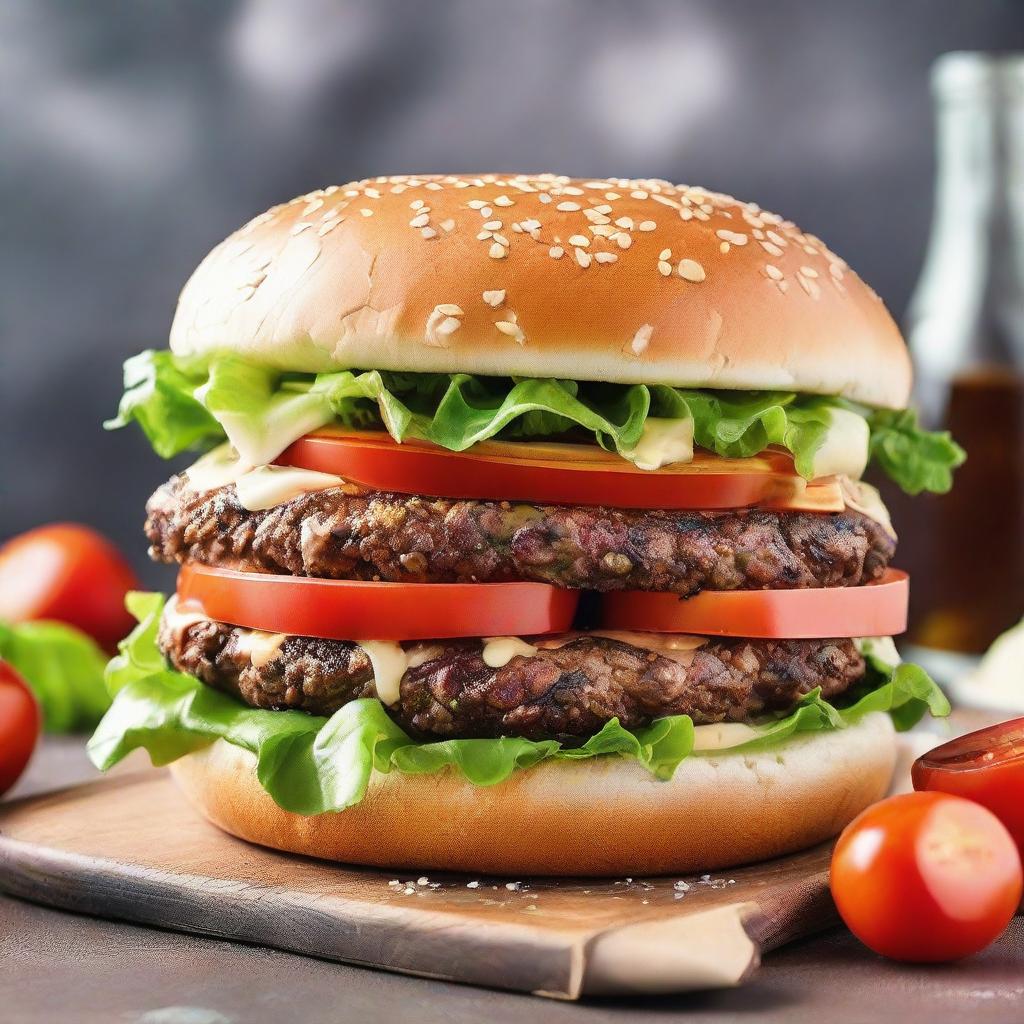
(135, 135)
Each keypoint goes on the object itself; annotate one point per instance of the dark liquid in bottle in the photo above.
(966, 548)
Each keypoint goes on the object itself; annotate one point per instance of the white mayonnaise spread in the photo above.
(262, 648)
(178, 617)
(258, 487)
(217, 468)
(267, 486)
(662, 443)
(722, 735)
(864, 498)
(844, 451)
(389, 663)
(500, 650)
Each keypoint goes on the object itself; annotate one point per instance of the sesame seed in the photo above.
(497, 251)
(544, 197)
(493, 225)
(664, 268)
(647, 225)
(449, 309)
(494, 298)
(691, 270)
(428, 233)
(774, 236)
(530, 225)
(482, 236)
(372, 193)
(665, 254)
(809, 286)
(583, 258)
(638, 194)
(434, 186)
(625, 222)
(641, 339)
(485, 212)
(808, 271)
(420, 221)
(624, 241)
(511, 329)
(605, 257)
(504, 201)
(417, 204)
(448, 225)
(685, 214)
(366, 212)
(556, 252)
(724, 247)
(772, 250)
(297, 229)
(603, 230)
(448, 325)
(572, 190)
(476, 204)
(773, 272)
(612, 195)
(568, 207)
(580, 240)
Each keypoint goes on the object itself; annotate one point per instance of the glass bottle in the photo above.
(965, 327)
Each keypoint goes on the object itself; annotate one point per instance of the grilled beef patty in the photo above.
(564, 692)
(333, 534)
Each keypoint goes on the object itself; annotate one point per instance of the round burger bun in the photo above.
(602, 816)
(541, 276)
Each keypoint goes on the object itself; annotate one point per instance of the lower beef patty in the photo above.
(377, 536)
(564, 692)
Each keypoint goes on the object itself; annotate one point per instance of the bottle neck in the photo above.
(968, 308)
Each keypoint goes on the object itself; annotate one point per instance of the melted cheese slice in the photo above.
(267, 486)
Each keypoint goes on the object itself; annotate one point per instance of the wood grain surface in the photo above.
(129, 847)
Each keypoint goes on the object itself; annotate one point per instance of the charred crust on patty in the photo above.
(401, 538)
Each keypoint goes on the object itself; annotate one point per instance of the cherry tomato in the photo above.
(69, 573)
(878, 609)
(987, 767)
(355, 610)
(926, 877)
(559, 473)
(20, 722)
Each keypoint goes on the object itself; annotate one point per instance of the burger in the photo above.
(529, 534)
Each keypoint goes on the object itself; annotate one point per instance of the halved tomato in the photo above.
(566, 474)
(877, 609)
(986, 766)
(355, 610)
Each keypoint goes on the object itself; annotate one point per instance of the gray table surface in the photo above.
(61, 967)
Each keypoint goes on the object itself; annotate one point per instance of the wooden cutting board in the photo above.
(130, 847)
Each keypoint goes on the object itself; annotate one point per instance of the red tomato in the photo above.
(20, 722)
(559, 473)
(68, 573)
(878, 609)
(987, 767)
(926, 877)
(354, 610)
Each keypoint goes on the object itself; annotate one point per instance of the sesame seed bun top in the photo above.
(544, 276)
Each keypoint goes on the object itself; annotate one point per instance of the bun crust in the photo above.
(613, 280)
(604, 816)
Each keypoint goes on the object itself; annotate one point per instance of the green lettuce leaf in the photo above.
(159, 395)
(185, 403)
(63, 667)
(312, 764)
(918, 460)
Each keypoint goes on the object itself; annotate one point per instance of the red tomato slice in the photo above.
(69, 573)
(987, 767)
(877, 609)
(567, 474)
(20, 722)
(354, 610)
(926, 877)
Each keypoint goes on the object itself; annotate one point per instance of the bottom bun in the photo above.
(603, 816)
